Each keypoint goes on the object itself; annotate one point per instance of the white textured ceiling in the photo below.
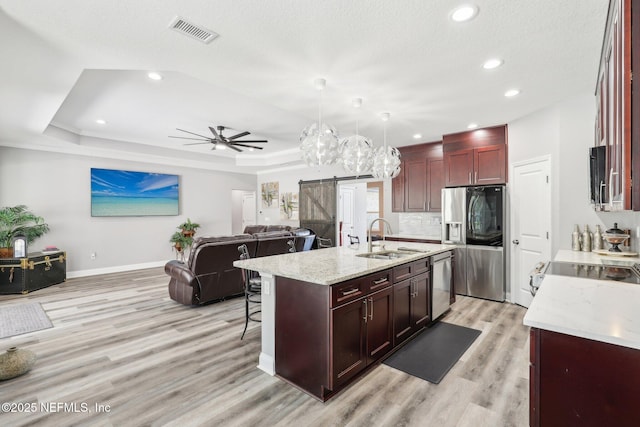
(66, 63)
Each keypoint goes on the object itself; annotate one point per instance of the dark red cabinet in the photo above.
(418, 187)
(577, 381)
(615, 125)
(477, 157)
(326, 335)
(411, 299)
(415, 175)
(435, 183)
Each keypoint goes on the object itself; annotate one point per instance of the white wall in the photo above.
(57, 187)
(565, 133)
(289, 182)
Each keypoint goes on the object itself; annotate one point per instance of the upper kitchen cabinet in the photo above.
(615, 127)
(477, 157)
(417, 188)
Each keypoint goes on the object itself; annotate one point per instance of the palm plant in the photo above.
(16, 220)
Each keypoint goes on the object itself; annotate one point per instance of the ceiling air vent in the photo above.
(191, 30)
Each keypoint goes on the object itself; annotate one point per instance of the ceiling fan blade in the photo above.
(186, 137)
(248, 146)
(196, 134)
(250, 140)
(240, 135)
(198, 143)
(234, 148)
(215, 133)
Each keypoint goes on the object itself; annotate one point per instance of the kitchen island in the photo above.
(307, 296)
(585, 349)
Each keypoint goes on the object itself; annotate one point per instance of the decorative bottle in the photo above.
(575, 239)
(586, 239)
(597, 239)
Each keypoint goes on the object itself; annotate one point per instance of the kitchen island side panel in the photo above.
(302, 335)
(584, 382)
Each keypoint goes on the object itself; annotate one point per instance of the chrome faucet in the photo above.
(371, 228)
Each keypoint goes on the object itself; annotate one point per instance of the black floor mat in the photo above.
(432, 353)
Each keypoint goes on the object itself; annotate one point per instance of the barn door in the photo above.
(318, 208)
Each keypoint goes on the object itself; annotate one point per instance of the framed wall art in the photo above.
(129, 193)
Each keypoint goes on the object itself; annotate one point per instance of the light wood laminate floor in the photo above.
(118, 340)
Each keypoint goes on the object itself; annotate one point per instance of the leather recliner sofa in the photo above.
(209, 274)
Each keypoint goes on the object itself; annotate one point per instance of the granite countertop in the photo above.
(334, 265)
(601, 310)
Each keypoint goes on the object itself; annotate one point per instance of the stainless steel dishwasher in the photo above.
(441, 287)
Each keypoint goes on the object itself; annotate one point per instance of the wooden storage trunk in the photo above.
(36, 271)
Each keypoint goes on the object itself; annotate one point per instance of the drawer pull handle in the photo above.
(380, 281)
(352, 291)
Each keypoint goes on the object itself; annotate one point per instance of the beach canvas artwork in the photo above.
(129, 193)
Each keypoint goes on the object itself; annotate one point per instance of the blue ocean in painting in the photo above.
(128, 193)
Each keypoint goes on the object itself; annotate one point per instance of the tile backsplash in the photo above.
(423, 224)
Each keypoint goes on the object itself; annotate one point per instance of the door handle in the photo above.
(516, 242)
(366, 310)
(371, 302)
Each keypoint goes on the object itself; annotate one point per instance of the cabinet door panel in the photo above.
(421, 312)
(402, 323)
(489, 165)
(435, 183)
(458, 167)
(397, 191)
(415, 175)
(349, 341)
(379, 324)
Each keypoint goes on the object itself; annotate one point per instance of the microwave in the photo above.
(598, 175)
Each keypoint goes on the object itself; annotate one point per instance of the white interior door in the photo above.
(530, 223)
(346, 212)
(248, 209)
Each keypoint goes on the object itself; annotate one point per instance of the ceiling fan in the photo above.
(220, 141)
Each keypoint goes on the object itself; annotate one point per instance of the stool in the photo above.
(252, 291)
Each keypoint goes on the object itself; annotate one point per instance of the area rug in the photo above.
(22, 318)
(434, 352)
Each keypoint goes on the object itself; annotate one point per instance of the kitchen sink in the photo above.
(385, 254)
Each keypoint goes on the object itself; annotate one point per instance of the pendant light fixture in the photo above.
(386, 160)
(319, 142)
(356, 150)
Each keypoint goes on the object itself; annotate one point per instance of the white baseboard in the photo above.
(267, 364)
(116, 269)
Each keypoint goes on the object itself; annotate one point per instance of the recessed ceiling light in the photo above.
(101, 122)
(417, 136)
(472, 126)
(463, 13)
(492, 63)
(154, 76)
(511, 92)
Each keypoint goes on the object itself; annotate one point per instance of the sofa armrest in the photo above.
(184, 286)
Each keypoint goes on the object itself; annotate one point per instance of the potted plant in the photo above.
(189, 228)
(181, 243)
(16, 220)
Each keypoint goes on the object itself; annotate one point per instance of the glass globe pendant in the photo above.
(386, 160)
(319, 144)
(357, 154)
(357, 151)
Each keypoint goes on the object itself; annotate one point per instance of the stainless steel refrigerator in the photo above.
(473, 219)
